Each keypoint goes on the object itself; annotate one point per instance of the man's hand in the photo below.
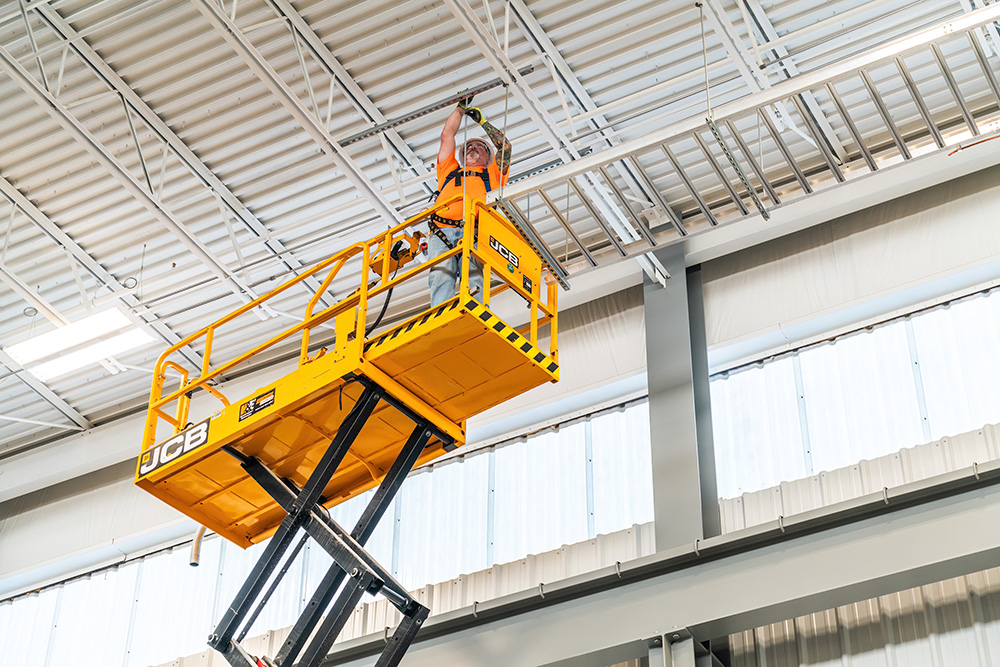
(464, 103)
(475, 114)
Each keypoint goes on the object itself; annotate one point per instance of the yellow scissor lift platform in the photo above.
(357, 414)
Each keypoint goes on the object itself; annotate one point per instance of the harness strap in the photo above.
(457, 174)
(436, 231)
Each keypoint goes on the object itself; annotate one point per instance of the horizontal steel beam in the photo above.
(877, 544)
(233, 36)
(782, 91)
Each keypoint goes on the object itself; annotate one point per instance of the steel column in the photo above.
(673, 416)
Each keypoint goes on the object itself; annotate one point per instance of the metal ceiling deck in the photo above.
(230, 192)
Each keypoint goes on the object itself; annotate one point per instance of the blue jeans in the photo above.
(443, 276)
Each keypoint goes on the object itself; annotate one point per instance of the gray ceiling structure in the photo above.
(177, 158)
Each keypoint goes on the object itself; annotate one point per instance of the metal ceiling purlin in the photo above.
(884, 113)
(102, 275)
(984, 65)
(536, 33)
(751, 103)
(919, 101)
(748, 155)
(810, 123)
(543, 121)
(61, 115)
(851, 127)
(720, 174)
(826, 131)
(355, 95)
(956, 94)
(39, 388)
(565, 225)
(702, 206)
(754, 78)
(785, 153)
(231, 33)
(187, 157)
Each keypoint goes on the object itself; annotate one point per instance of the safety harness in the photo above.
(455, 175)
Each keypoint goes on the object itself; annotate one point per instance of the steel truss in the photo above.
(353, 573)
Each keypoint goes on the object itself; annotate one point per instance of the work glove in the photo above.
(475, 114)
(464, 103)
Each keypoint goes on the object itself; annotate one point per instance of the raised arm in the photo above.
(503, 146)
(448, 133)
(495, 135)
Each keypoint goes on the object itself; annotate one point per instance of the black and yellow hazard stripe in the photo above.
(405, 327)
(512, 336)
(483, 313)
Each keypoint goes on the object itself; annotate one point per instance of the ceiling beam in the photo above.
(47, 394)
(547, 126)
(187, 157)
(533, 29)
(231, 33)
(61, 115)
(133, 308)
(355, 95)
(768, 32)
(750, 103)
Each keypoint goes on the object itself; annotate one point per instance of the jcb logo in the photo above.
(182, 443)
(506, 254)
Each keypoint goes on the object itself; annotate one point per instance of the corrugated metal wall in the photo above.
(953, 623)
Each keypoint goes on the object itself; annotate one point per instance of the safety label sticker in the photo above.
(256, 404)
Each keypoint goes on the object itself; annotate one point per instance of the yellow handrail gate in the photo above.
(358, 413)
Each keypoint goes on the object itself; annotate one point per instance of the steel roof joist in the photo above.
(61, 115)
(232, 34)
(750, 103)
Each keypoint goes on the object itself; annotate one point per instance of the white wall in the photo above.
(892, 256)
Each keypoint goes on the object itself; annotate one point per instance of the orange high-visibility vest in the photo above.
(476, 181)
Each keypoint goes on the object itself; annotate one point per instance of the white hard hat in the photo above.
(490, 150)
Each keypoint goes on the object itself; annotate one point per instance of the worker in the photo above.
(486, 166)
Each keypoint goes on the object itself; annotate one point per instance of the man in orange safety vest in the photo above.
(486, 166)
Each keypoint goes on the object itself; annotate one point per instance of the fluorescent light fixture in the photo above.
(76, 345)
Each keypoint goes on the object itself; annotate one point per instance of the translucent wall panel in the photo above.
(756, 429)
(174, 603)
(27, 626)
(541, 494)
(860, 397)
(442, 522)
(912, 380)
(959, 348)
(462, 515)
(96, 612)
(620, 461)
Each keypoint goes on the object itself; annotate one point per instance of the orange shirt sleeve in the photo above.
(445, 168)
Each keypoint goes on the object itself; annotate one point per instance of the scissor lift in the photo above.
(358, 413)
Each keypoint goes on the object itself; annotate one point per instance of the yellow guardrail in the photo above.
(379, 247)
